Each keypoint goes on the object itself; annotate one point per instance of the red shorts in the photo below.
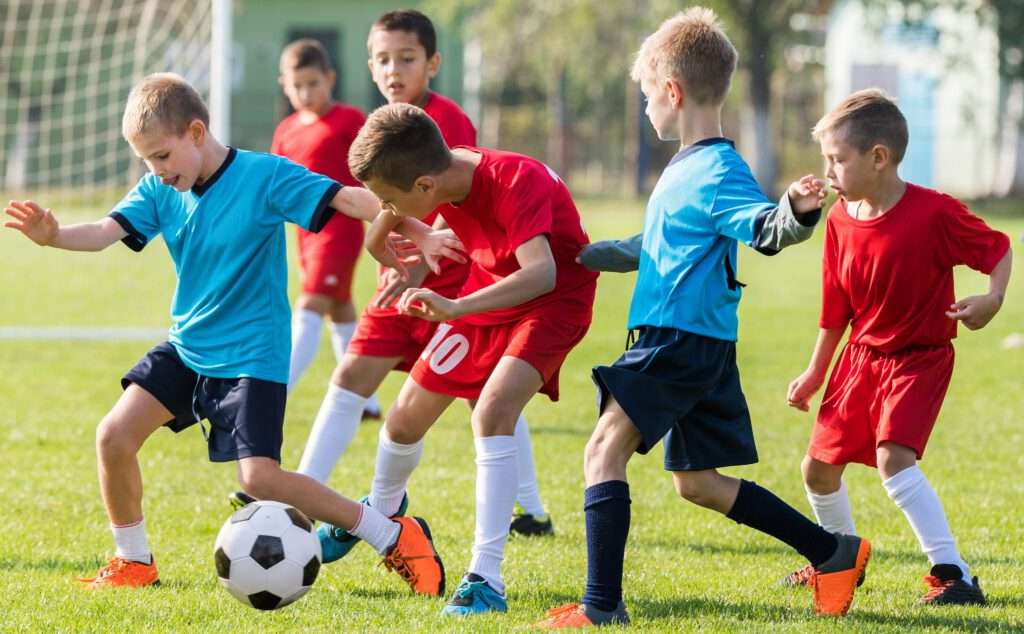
(388, 334)
(328, 259)
(873, 397)
(461, 356)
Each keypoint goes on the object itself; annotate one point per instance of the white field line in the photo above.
(82, 333)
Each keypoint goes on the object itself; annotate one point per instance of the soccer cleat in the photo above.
(946, 586)
(531, 525)
(474, 596)
(240, 499)
(124, 573)
(336, 542)
(835, 580)
(414, 558)
(573, 615)
(804, 576)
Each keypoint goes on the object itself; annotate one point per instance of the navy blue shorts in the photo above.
(246, 415)
(684, 388)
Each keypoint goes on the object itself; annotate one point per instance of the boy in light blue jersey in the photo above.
(679, 381)
(221, 213)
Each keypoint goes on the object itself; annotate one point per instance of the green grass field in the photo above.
(687, 569)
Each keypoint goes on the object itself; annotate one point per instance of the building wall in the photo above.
(261, 28)
(943, 72)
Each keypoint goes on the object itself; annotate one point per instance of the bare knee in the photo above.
(694, 487)
(893, 458)
(605, 458)
(113, 439)
(402, 425)
(494, 418)
(821, 478)
(258, 477)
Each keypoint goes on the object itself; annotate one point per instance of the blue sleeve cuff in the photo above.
(324, 211)
(134, 240)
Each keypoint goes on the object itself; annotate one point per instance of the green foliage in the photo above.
(687, 568)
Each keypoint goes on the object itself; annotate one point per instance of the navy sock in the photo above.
(606, 506)
(759, 508)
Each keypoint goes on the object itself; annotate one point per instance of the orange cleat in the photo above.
(575, 615)
(124, 573)
(835, 580)
(414, 559)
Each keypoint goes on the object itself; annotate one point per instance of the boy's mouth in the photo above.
(170, 181)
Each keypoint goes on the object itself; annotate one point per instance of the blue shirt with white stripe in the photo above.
(705, 202)
(230, 311)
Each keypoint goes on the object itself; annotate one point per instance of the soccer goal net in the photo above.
(66, 67)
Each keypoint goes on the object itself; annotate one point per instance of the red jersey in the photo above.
(514, 198)
(457, 129)
(891, 277)
(322, 147)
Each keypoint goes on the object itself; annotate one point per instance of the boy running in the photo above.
(221, 213)
(679, 381)
(403, 59)
(524, 305)
(887, 272)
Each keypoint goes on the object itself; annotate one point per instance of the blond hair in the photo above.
(692, 48)
(163, 99)
(398, 144)
(865, 119)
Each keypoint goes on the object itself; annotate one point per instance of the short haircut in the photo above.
(398, 143)
(692, 48)
(162, 99)
(409, 20)
(305, 53)
(865, 119)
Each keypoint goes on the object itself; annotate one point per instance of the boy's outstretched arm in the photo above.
(976, 311)
(40, 226)
(432, 244)
(810, 381)
(616, 256)
(794, 219)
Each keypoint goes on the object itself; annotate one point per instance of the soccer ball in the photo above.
(267, 555)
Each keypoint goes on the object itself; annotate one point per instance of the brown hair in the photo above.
(398, 144)
(692, 48)
(411, 21)
(163, 99)
(865, 119)
(304, 53)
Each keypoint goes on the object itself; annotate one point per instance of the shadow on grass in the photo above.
(83, 566)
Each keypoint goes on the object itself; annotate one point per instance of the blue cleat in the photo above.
(335, 542)
(474, 596)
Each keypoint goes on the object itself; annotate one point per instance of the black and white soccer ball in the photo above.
(267, 555)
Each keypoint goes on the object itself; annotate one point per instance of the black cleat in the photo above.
(239, 499)
(947, 587)
(531, 525)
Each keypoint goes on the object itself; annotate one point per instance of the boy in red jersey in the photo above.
(402, 46)
(890, 249)
(317, 136)
(525, 304)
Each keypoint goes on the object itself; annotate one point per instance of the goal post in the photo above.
(66, 68)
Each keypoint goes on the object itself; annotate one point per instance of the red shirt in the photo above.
(322, 147)
(514, 198)
(891, 277)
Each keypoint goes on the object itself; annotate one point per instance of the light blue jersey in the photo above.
(704, 203)
(230, 310)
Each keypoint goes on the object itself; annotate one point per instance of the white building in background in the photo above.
(942, 68)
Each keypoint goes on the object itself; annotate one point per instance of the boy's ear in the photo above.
(675, 92)
(881, 156)
(434, 65)
(424, 184)
(196, 131)
(331, 78)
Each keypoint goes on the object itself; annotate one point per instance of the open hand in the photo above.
(807, 194)
(975, 311)
(426, 304)
(441, 243)
(36, 223)
(802, 389)
(392, 284)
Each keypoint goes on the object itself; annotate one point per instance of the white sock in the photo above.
(528, 496)
(306, 326)
(833, 510)
(912, 493)
(335, 426)
(496, 470)
(341, 334)
(395, 463)
(130, 542)
(376, 529)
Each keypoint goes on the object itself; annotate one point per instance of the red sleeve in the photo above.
(524, 206)
(836, 311)
(966, 239)
(275, 143)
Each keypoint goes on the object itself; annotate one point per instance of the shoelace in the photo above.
(802, 576)
(400, 564)
(568, 608)
(938, 586)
